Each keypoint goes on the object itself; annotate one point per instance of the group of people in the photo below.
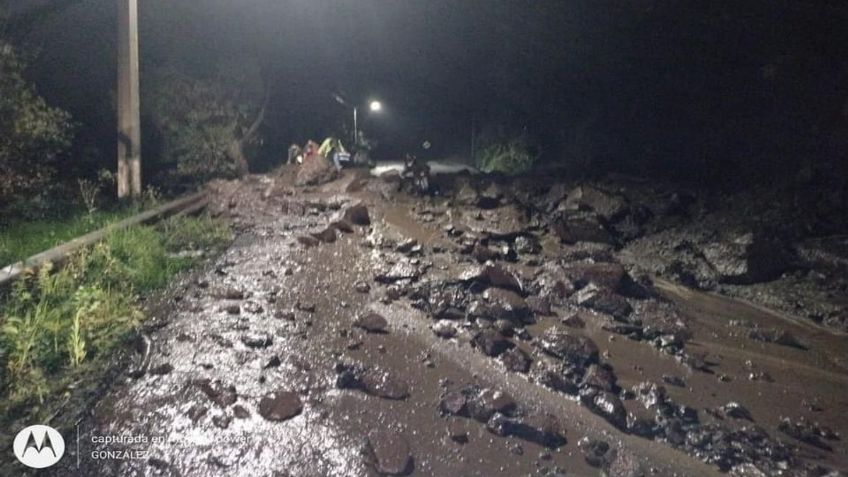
(415, 176)
(332, 149)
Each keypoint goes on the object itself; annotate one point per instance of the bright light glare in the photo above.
(376, 106)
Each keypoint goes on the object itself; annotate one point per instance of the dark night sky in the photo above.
(662, 84)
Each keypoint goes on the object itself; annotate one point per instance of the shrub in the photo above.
(206, 122)
(32, 134)
(510, 156)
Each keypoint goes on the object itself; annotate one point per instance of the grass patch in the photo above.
(60, 325)
(22, 239)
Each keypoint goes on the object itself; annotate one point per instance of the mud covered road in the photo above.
(352, 330)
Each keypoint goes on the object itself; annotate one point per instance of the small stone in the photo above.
(574, 321)
(222, 421)
(272, 363)
(280, 406)
(362, 287)
(196, 412)
(444, 329)
(221, 394)
(674, 380)
(453, 403)
(258, 340)
(357, 214)
(240, 412)
(164, 368)
(308, 241)
(571, 348)
(516, 360)
(372, 323)
(736, 411)
(390, 451)
(491, 342)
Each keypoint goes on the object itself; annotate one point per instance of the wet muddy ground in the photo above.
(352, 330)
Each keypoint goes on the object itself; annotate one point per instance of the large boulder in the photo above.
(748, 258)
(571, 348)
(608, 205)
(315, 170)
(504, 304)
(603, 301)
(606, 275)
(581, 226)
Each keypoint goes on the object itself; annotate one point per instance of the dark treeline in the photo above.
(722, 91)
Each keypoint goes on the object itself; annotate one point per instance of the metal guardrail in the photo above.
(181, 206)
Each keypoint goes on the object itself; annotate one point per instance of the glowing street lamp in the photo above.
(374, 106)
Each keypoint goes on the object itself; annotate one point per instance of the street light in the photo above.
(374, 106)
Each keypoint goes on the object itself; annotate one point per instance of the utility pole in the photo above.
(129, 122)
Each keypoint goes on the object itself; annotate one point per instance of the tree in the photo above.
(208, 123)
(32, 134)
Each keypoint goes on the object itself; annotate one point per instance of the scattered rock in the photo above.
(372, 381)
(327, 235)
(544, 431)
(610, 407)
(372, 323)
(308, 241)
(516, 360)
(162, 369)
(527, 245)
(488, 402)
(257, 340)
(357, 214)
(599, 377)
(240, 412)
(222, 421)
(539, 305)
(674, 380)
(221, 394)
(576, 227)
(280, 406)
(603, 301)
(736, 411)
(808, 432)
(444, 329)
(594, 451)
(230, 293)
(491, 342)
(398, 272)
(362, 287)
(507, 305)
(608, 276)
(746, 259)
(608, 205)
(273, 362)
(315, 170)
(390, 452)
(574, 321)
(572, 349)
(196, 412)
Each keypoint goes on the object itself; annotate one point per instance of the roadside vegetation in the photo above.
(60, 327)
(512, 156)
